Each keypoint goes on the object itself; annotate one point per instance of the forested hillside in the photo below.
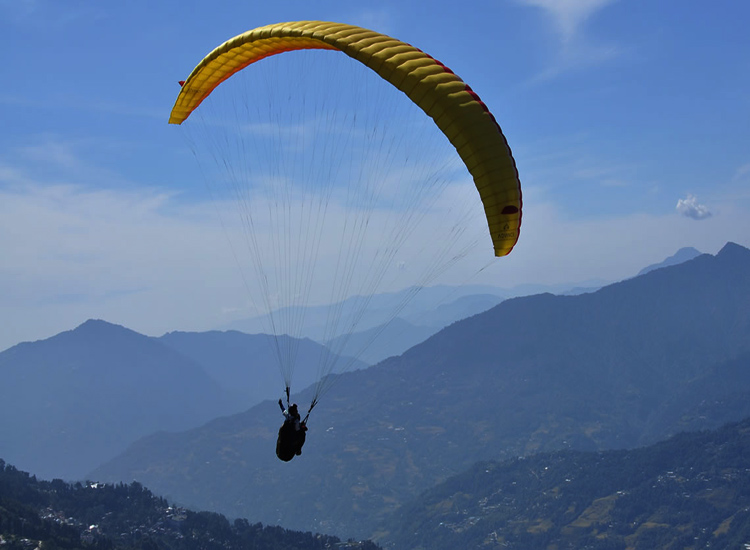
(59, 515)
(692, 491)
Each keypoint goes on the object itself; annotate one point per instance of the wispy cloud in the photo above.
(18, 9)
(576, 49)
(51, 159)
(569, 15)
(72, 252)
(68, 104)
(691, 208)
(47, 13)
(377, 19)
(742, 173)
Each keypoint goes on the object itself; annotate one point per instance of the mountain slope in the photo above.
(692, 491)
(245, 364)
(400, 334)
(596, 371)
(682, 255)
(384, 341)
(72, 401)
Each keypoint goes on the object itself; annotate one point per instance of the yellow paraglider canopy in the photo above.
(451, 103)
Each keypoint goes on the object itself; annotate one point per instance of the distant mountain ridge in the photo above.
(80, 397)
(433, 309)
(244, 365)
(380, 309)
(77, 399)
(615, 368)
(682, 255)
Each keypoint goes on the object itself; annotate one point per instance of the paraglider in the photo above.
(291, 434)
(456, 111)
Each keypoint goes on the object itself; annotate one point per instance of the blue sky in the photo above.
(629, 121)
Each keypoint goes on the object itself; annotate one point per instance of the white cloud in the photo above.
(691, 208)
(742, 175)
(576, 50)
(569, 15)
(376, 19)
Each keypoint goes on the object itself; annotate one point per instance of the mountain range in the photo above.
(245, 365)
(81, 397)
(382, 334)
(627, 365)
(75, 400)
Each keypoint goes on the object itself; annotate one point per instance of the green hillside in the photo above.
(691, 491)
(57, 515)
